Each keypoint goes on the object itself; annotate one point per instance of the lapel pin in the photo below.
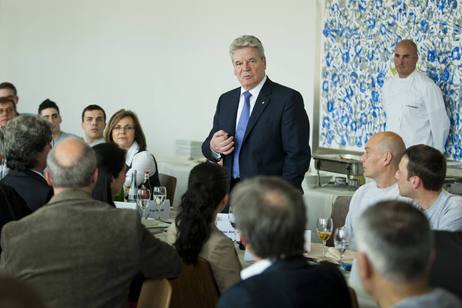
(263, 102)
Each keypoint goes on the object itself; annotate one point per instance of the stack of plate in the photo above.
(189, 149)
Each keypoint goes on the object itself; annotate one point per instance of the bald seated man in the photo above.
(380, 159)
(79, 252)
(413, 102)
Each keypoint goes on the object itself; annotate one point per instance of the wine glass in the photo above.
(324, 227)
(341, 242)
(159, 194)
(232, 221)
(143, 197)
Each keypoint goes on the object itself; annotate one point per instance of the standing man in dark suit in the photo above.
(26, 141)
(270, 214)
(260, 128)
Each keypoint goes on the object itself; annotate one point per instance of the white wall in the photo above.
(166, 60)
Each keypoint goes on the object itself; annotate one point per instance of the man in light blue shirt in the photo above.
(421, 176)
(395, 251)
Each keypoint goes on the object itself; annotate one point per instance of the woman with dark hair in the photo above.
(111, 171)
(195, 234)
(124, 129)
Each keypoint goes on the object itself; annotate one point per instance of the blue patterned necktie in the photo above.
(240, 131)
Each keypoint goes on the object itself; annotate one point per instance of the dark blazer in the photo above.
(79, 252)
(276, 141)
(446, 271)
(12, 206)
(290, 283)
(32, 187)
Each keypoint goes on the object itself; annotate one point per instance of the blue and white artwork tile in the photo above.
(359, 38)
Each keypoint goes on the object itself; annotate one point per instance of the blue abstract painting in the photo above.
(359, 37)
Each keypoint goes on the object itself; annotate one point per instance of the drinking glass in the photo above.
(159, 194)
(324, 227)
(341, 242)
(232, 221)
(143, 197)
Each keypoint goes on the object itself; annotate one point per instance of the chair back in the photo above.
(169, 182)
(155, 294)
(195, 287)
(354, 298)
(339, 213)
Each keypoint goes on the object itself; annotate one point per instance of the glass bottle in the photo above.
(133, 190)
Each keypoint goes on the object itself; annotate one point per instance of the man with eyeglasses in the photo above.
(49, 111)
(93, 124)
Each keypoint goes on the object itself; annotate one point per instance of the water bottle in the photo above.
(133, 191)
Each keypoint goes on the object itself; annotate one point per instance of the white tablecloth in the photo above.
(319, 201)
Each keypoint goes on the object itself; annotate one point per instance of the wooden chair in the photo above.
(169, 182)
(354, 298)
(155, 294)
(339, 213)
(195, 287)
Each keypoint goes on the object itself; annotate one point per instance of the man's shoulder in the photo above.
(365, 188)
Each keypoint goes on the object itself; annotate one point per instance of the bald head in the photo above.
(409, 45)
(71, 164)
(392, 143)
(405, 58)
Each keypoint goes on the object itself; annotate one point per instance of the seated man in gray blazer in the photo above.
(79, 252)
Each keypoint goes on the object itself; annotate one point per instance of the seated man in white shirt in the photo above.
(421, 176)
(395, 251)
(381, 157)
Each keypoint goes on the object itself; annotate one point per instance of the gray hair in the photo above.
(24, 137)
(397, 239)
(270, 213)
(246, 41)
(78, 174)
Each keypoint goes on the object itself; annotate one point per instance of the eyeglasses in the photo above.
(7, 110)
(126, 128)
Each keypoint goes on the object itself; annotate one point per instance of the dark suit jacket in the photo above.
(12, 206)
(79, 252)
(290, 283)
(276, 141)
(446, 271)
(32, 187)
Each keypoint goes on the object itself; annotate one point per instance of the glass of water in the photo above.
(341, 242)
(159, 194)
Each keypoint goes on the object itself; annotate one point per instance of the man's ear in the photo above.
(365, 270)
(388, 158)
(48, 177)
(94, 176)
(416, 182)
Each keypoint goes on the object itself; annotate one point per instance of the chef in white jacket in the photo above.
(413, 103)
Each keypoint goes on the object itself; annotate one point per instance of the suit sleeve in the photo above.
(206, 151)
(235, 297)
(295, 131)
(158, 259)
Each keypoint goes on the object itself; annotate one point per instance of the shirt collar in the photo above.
(255, 269)
(255, 90)
(134, 148)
